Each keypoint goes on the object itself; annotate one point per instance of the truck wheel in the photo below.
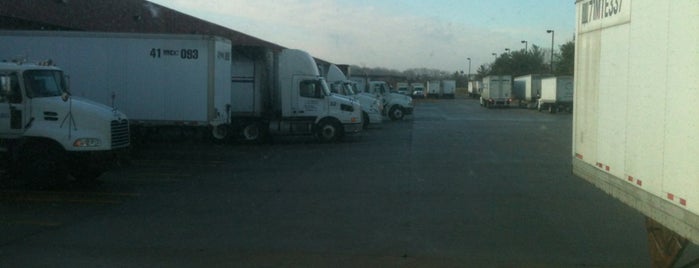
(329, 131)
(253, 132)
(41, 164)
(365, 119)
(86, 175)
(219, 132)
(396, 113)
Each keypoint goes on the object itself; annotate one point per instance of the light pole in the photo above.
(468, 78)
(552, 35)
(526, 44)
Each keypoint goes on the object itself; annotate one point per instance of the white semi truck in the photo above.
(448, 89)
(46, 134)
(282, 93)
(635, 116)
(527, 90)
(159, 80)
(395, 105)
(497, 91)
(556, 94)
(339, 84)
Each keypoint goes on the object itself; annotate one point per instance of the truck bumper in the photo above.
(353, 128)
(375, 118)
(101, 159)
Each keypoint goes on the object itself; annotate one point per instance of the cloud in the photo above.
(351, 33)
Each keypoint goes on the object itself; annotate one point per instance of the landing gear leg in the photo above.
(665, 246)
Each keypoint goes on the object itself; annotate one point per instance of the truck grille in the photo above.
(120, 133)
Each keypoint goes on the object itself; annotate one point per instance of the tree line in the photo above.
(515, 63)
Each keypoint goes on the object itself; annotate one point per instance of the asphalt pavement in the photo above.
(454, 185)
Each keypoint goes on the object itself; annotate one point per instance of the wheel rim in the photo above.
(251, 132)
(397, 113)
(219, 132)
(328, 132)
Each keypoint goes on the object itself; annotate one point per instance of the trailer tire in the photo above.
(396, 113)
(329, 131)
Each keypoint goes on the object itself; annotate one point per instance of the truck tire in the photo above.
(86, 175)
(219, 133)
(365, 119)
(252, 132)
(41, 164)
(396, 113)
(329, 131)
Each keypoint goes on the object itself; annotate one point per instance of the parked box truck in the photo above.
(282, 93)
(556, 94)
(46, 135)
(156, 79)
(527, 90)
(635, 117)
(403, 88)
(434, 89)
(448, 88)
(497, 91)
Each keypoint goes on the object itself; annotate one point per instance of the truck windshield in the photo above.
(44, 83)
(349, 89)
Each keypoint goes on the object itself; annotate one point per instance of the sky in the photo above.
(400, 35)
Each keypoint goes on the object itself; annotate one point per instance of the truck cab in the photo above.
(395, 105)
(46, 134)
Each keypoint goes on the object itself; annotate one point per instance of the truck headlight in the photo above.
(87, 142)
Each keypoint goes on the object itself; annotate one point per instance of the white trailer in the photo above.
(527, 89)
(556, 94)
(282, 93)
(434, 89)
(474, 89)
(497, 91)
(157, 79)
(448, 89)
(634, 122)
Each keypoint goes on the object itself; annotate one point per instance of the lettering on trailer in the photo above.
(600, 9)
(223, 55)
(597, 14)
(185, 54)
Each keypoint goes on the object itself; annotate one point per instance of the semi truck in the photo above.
(474, 89)
(448, 89)
(417, 90)
(282, 93)
(497, 91)
(403, 88)
(634, 121)
(339, 84)
(46, 134)
(556, 94)
(159, 80)
(395, 105)
(527, 89)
